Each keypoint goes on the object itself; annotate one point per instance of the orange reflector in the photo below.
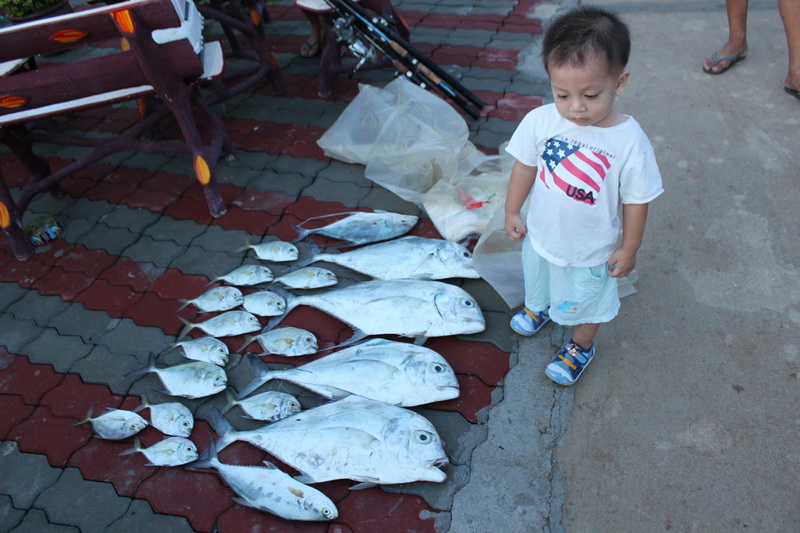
(68, 36)
(142, 106)
(273, 61)
(123, 20)
(5, 219)
(202, 171)
(124, 45)
(255, 17)
(11, 102)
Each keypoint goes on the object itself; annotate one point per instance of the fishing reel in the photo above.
(348, 35)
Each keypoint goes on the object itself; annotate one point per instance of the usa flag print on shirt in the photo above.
(578, 171)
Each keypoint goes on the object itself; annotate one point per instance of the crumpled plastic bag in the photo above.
(417, 146)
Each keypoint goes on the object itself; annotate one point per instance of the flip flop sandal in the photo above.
(733, 60)
(794, 93)
(309, 49)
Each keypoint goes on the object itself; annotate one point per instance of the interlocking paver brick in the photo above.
(74, 228)
(25, 273)
(9, 516)
(136, 275)
(100, 461)
(179, 231)
(344, 192)
(113, 240)
(61, 351)
(53, 436)
(135, 220)
(10, 293)
(72, 398)
(140, 517)
(23, 476)
(65, 285)
(36, 521)
(88, 209)
(14, 411)
(68, 499)
(199, 260)
(160, 253)
(128, 338)
(102, 365)
(31, 382)
(15, 333)
(88, 324)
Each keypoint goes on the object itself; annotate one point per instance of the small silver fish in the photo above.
(172, 451)
(115, 424)
(264, 303)
(216, 299)
(206, 349)
(287, 341)
(308, 278)
(171, 418)
(190, 380)
(275, 251)
(227, 324)
(269, 406)
(362, 227)
(246, 275)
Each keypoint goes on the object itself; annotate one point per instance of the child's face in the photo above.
(585, 94)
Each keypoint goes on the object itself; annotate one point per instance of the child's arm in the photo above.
(519, 186)
(623, 259)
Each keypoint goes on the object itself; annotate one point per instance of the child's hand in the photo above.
(515, 227)
(621, 263)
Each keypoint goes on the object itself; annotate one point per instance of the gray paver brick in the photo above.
(74, 228)
(244, 159)
(306, 166)
(238, 176)
(107, 368)
(380, 198)
(9, 294)
(217, 239)
(179, 231)
(90, 325)
(35, 521)
(9, 516)
(348, 194)
(37, 307)
(132, 218)
(196, 260)
(88, 209)
(153, 162)
(101, 237)
(34, 469)
(128, 338)
(67, 501)
(61, 351)
(15, 333)
(46, 204)
(291, 184)
(160, 253)
(140, 517)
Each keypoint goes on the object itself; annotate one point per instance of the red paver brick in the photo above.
(99, 460)
(73, 398)
(481, 359)
(137, 276)
(152, 311)
(31, 381)
(171, 183)
(188, 208)
(273, 203)
(305, 148)
(114, 193)
(114, 299)
(95, 172)
(475, 395)
(514, 106)
(251, 221)
(78, 258)
(14, 412)
(25, 273)
(239, 518)
(198, 496)
(155, 201)
(374, 510)
(494, 58)
(128, 175)
(49, 435)
(173, 285)
(75, 186)
(67, 285)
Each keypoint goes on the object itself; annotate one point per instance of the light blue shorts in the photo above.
(575, 295)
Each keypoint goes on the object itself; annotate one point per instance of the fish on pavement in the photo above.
(287, 341)
(352, 438)
(171, 418)
(206, 349)
(264, 303)
(410, 308)
(189, 380)
(273, 251)
(172, 451)
(307, 278)
(406, 258)
(267, 488)
(393, 372)
(246, 275)
(228, 324)
(361, 227)
(115, 424)
(216, 299)
(269, 406)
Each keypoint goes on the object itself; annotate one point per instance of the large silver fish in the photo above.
(227, 324)
(353, 438)
(269, 406)
(190, 380)
(411, 308)
(206, 349)
(115, 424)
(171, 418)
(266, 488)
(246, 275)
(392, 372)
(274, 251)
(264, 303)
(172, 451)
(307, 278)
(287, 341)
(216, 299)
(360, 227)
(406, 258)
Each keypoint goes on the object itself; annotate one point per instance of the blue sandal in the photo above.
(733, 60)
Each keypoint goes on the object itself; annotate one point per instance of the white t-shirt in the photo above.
(584, 175)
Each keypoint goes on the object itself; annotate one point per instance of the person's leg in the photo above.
(790, 13)
(310, 48)
(583, 334)
(737, 37)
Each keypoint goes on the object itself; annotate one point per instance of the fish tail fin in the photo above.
(248, 340)
(222, 427)
(209, 457)
(184, 304)
(214, 279)
(231, 401)
(314, 251)
(291, 302)
(137, 445)
(302, 233)
(151, 365)
(247, 246)
(358, 335)
(145, 404)
(262, 374)
(187, 327)
(88, 417)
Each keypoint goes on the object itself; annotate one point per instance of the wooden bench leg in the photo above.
(11, 224)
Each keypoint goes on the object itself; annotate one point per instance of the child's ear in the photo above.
(622, 81)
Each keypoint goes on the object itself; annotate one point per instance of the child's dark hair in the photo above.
(581, 33)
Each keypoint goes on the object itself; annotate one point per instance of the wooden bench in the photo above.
(161, 52)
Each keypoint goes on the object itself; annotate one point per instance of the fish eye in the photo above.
(423, 437)
(438, 368)
(469, 303)
(327, 513)
(467, 255)
(186, 424)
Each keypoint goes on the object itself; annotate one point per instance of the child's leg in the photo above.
(583, 335)
(534, 315)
